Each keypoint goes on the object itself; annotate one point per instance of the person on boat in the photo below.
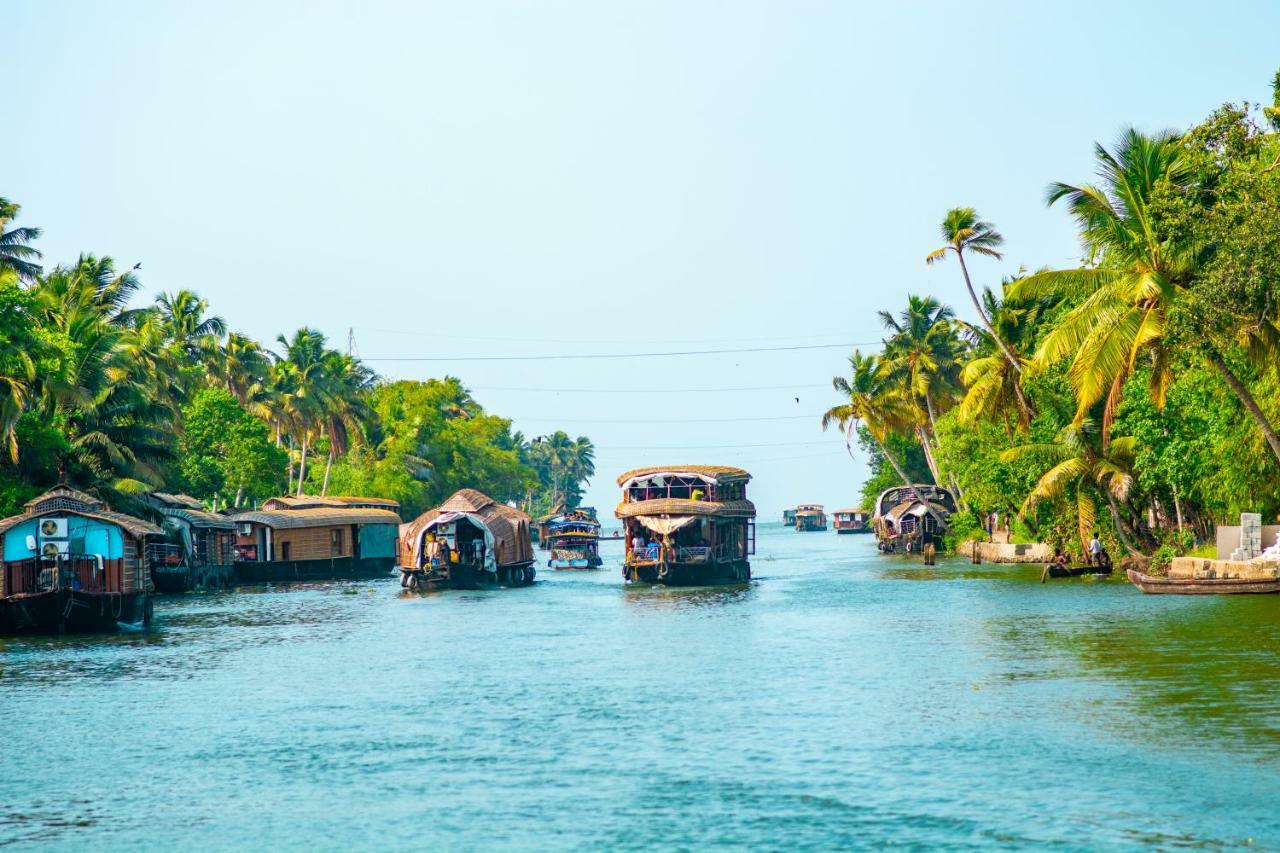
(1095, 549)
(653, 550)
(1059, 558)
(637, 544)
(697, 494)
(1104, 559)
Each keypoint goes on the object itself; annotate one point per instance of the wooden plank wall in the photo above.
(312, 543)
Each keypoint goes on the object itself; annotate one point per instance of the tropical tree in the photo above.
(300, 384)
(182, 318)
(242, 368)
(345, 407)
(872, 402)
(16, 253)
(1079, 468)
(990, 381)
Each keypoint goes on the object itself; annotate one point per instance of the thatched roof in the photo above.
(289, 519)
(719, 473)
(683, 506)
(184, 501)
(67, 501)
(331, 501)
(850, 509)
(509, 526)
(64, 497)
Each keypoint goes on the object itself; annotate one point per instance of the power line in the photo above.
(508, 338)
(569, 421)
(712, 446)
(620, 354)
(648, 390)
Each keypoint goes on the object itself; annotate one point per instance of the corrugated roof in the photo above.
(185, 501)
(286, 519)
(683, 506)
(721, 473)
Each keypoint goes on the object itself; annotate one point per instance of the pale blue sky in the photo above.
(673, 175)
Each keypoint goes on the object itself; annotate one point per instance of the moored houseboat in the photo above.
(201, 550)
(851, 520)
(315, 539)
(71, 565)
(810, 518)
(574, 540)
(468, 542)
(907, 518)
(789, 517)
(687, 525)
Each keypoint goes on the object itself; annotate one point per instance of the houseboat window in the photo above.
(335, 541)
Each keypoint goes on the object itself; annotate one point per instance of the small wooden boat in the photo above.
(1053, 570)
(1203, 586)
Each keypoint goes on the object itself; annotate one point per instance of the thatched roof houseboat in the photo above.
(687, 524)
(574, 540)
(907, 518)
(308, 539)
(810, 518)
(201, 547)
(468, 542)
(71, 565)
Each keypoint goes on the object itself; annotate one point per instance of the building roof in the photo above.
(184, 501)
(719, 473)
(848, 509)
(331, 501)
(134, 526)
(288, 519)
(684, 506)
(65, 496)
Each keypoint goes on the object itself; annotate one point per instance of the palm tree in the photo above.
(182, 317)
(962, 232)
(990, 382)
(922, 359)
(345, 408)
(1078, 462)
(241, 368)
(302, 388)
(15, 252)
(873, 402)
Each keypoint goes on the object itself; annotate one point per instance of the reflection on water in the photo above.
(840, 699)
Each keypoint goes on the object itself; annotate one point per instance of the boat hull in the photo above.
(458, 576)
(575, 564)
(304, 571)
(67, 611)
(1075, 571)
(1203, 586)
(173, 581)
(688, 574)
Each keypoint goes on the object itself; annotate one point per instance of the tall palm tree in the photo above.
(922, 357)
(871, 401)
(1077, 462)
(241, 368)
(345, 406)
(962, 232)
(303, 376)
(990, 381)
(183, 319)
(16, 253)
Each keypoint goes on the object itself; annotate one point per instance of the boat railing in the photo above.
(81, 573)
(165, 555)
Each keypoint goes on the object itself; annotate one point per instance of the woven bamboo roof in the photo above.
(329, 501)
(68, 496)
(134, 526)
(847, 509)
(720, 473)
(185, 501)
(509, 526)
(684, 506)
(288, 519)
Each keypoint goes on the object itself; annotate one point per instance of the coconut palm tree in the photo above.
(16, 253)
(182, 318)
(1079, 467)
(302, 389)
(873, 402)
(241, 368)
(990, 381)
(346, 409)
(922, 358)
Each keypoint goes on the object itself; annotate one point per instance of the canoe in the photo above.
(1203, 586)
(1055, 571)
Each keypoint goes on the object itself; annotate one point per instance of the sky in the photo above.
(449, 181)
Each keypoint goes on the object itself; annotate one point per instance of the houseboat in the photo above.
(789, 517)
(71, 565)
(852, 520)
(810, 518)
(687, 525)
(574, 540)
(907, 518)
(468, 542)
(201, 548)
(315, 539)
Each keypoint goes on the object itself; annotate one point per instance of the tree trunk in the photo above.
(290, 489)
(1177, 507)
(986, 321)
(923, 438)
(302, 465)
(324, 490)
(1119, 525)
(239, 495)
(1246, 397)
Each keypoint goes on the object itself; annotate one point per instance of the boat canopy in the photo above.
(659, 474)
(505, 529)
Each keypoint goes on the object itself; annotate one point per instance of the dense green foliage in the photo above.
(1135, 395)
(118, 399)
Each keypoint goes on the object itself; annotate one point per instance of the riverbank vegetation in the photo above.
(1136, 393)
(118, 398)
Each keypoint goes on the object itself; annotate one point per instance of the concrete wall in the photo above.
(995, 552)
(1229, 538)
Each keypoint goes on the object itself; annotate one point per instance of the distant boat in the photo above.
(789, 517)
(695, 521)
(853, 520)
(810, 518)
(574, 540)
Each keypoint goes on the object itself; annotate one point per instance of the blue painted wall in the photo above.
(98, 537)
(378, 540)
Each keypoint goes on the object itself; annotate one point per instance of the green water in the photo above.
(840, 700)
